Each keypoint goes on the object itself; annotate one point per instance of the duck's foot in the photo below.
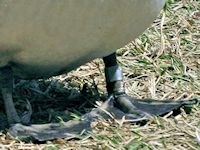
(132, 110)
(44, 132)
(70, 129)
(148, 107)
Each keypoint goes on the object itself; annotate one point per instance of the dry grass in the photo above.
(163, 63)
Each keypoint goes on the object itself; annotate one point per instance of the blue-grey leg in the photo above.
(113, 75)
(115, 85)
(6, 87)
(130, 105)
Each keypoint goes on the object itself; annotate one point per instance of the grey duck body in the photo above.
(41, 38)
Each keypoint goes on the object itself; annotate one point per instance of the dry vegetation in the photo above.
(163, 63)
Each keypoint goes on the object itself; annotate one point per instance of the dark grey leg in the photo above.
(6, 87)
(115, 85)
(130, 105)
(114, 76)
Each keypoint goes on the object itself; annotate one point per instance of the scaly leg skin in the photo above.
(6, 87)
(129, 105)
(115, 86)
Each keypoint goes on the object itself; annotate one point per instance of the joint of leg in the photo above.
(113, 74)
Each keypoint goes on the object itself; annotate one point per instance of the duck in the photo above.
(40, 39)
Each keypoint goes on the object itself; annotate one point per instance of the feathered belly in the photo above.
(43, 38)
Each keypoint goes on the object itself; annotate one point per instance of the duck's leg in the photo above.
(113, 75)
(6, 87)
(130, 105)
(115, 85)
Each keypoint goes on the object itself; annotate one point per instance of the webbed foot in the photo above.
(148, 107)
